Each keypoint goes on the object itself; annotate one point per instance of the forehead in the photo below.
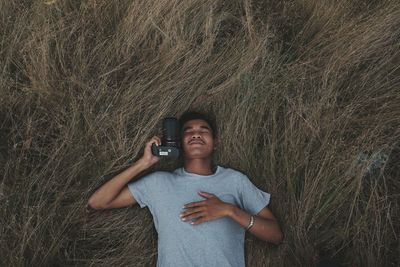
(196, 123)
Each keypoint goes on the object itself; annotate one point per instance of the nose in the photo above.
(195, 135)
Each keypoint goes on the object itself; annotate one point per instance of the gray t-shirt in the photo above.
(219, 242)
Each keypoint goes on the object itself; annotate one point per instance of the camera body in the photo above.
(170, 140)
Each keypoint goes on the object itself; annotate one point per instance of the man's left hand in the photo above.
(208, 210)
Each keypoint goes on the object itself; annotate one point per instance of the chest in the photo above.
(170, 205)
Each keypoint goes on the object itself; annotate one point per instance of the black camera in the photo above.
(170, 140)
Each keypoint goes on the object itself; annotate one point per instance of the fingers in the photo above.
(198, 221)
(155, 139)
(147, 149)
(195, 204)
(193, 215)
(191, 211)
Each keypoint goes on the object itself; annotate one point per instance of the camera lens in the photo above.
(171, 132)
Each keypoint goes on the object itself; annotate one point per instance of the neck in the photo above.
(199, 166)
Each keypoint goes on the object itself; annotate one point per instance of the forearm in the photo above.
(107, 192)
(263, 228)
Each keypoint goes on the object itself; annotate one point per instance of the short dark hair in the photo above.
(197, 115)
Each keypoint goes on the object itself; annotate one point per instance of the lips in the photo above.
(196, 142)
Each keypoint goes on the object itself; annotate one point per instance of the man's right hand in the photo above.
(148, 158)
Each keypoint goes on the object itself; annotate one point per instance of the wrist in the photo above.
(231, 210)
(143, 164)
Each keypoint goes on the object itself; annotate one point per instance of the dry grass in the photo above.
(306, 92)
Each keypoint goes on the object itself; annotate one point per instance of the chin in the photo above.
(197, 155)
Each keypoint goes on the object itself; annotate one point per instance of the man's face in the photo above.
(197, 139)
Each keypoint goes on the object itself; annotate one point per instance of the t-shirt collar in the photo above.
(183, 172)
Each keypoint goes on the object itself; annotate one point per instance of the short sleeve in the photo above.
(252, 199)
(140, 189)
